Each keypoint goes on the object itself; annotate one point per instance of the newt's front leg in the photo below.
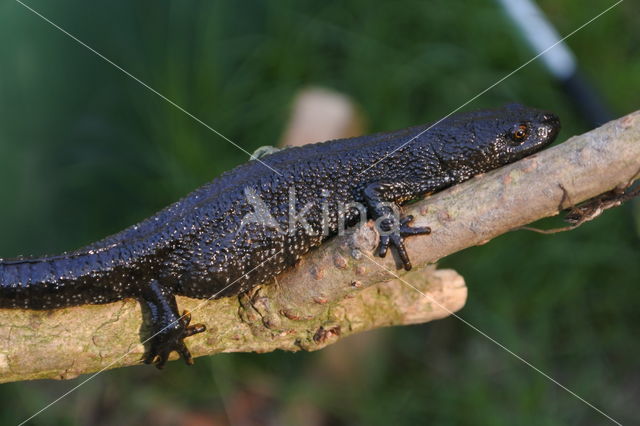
(168, 327)
(382, 201)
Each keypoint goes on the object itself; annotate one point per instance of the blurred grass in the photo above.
(86, 151)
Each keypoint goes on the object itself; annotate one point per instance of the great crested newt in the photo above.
(235, 232)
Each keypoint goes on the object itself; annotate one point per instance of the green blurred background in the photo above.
(86, 151)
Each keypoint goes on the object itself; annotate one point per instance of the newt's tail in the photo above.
(60, 281)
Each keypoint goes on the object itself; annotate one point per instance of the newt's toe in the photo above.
(406, 229)
(383, 245)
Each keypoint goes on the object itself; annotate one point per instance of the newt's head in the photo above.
(488, 139)
(522, 131)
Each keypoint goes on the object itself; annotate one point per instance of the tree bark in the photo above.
(340, 288)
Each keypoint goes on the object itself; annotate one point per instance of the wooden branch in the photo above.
(339, 289)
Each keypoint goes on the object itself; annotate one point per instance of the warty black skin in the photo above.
(201, 247)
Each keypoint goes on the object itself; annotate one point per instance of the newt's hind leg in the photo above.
(168, 327)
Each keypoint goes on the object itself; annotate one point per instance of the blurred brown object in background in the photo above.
(319, 114)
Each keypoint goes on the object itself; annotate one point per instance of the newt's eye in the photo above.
(519, 133)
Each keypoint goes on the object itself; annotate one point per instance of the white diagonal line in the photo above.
(145, 85)
(509, 351)
(494, 84)
(73, 389)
